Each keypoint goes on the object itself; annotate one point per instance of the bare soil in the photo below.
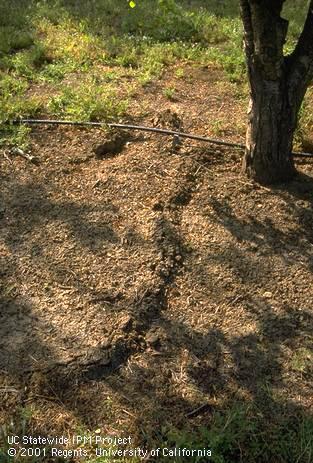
(139, 286)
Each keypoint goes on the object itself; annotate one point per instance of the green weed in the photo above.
(302, 360)
(88, 101)
(17, 427)
(180, 73)
(52, 40)
(169, 93)
(241, 433)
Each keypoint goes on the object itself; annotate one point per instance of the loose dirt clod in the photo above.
(113, 145)
(168, 119)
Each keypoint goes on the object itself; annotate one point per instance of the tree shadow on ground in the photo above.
(234, 366)
(301, 193)
(33, 210)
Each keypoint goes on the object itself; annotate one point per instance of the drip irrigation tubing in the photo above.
(144, 129)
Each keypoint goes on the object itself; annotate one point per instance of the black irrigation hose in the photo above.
(130, 127)
(145, 129)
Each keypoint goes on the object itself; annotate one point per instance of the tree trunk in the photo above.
(277, 88)
(271, 125)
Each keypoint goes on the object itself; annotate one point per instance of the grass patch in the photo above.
(49, 41)
(13, 106)
(19, 426)
(304, 131)
(88, 101)
(241, 434)
(238, 433)
(302, 360)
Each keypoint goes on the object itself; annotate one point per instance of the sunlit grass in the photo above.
(49, 41)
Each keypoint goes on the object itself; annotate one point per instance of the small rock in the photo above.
(267, 294)
(254, 246)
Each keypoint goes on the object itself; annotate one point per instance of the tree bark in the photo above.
(270, 131)
(277, 88)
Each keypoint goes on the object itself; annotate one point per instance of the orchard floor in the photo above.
(139, 287)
